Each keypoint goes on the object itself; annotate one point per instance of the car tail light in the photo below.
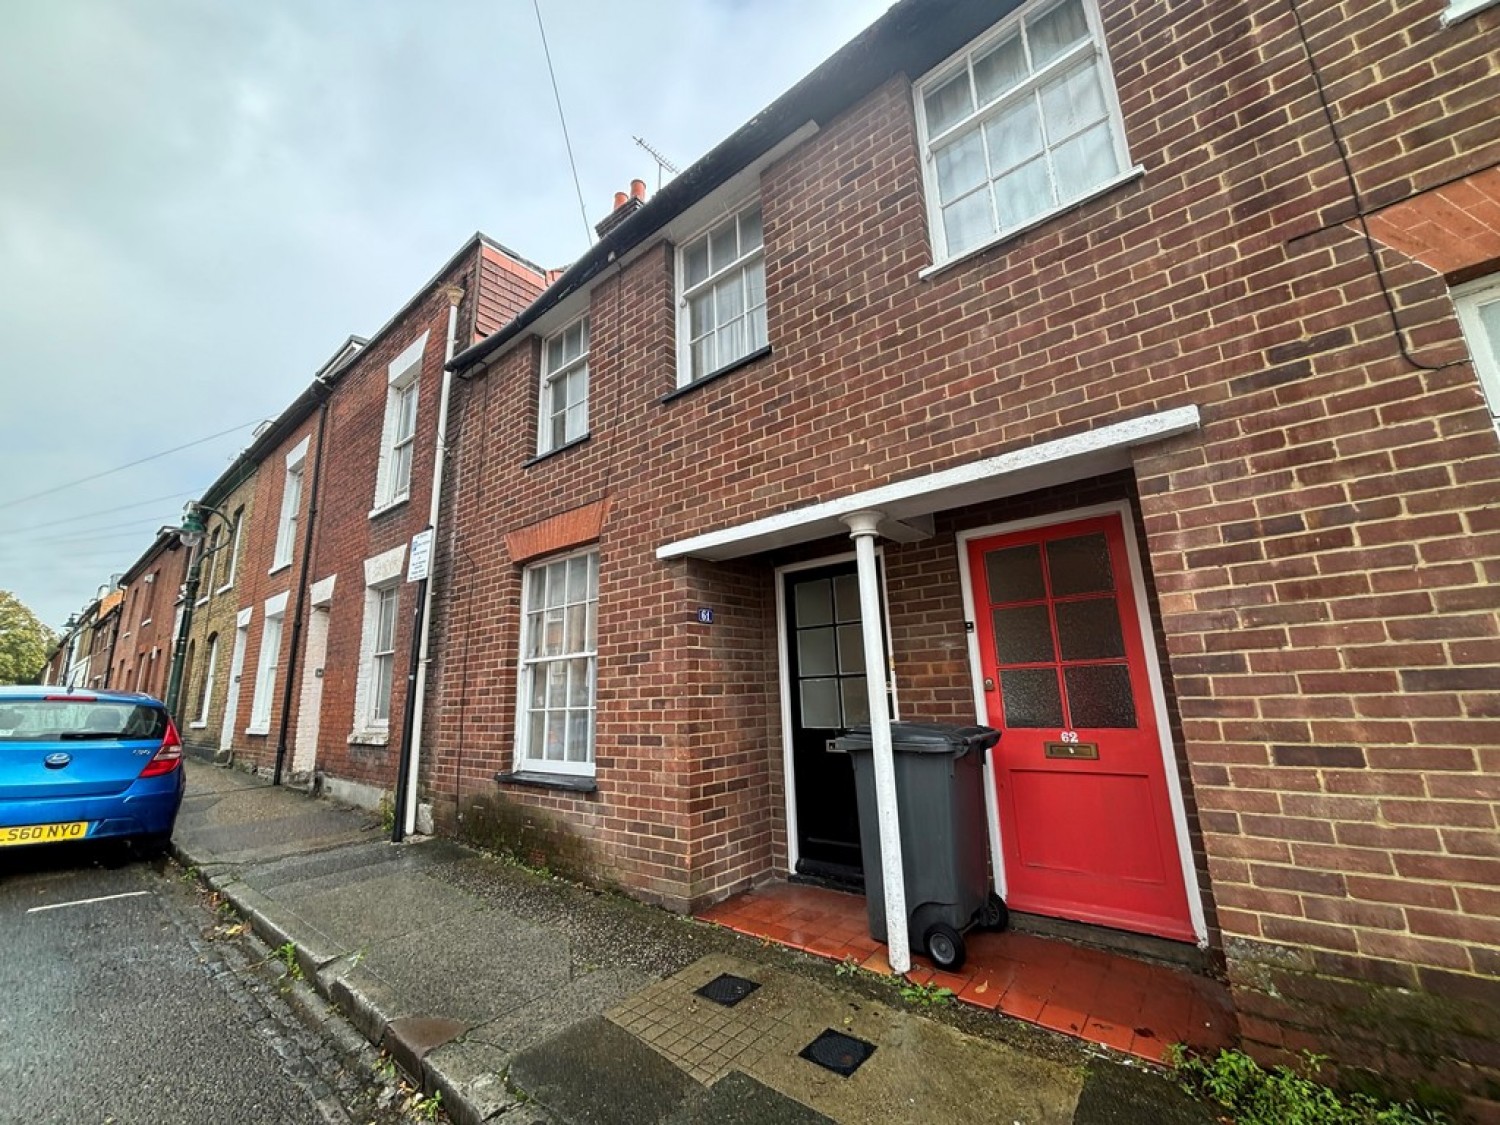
(169, 757)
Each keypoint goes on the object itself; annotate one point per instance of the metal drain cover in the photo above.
(727, 990)
(835, 1051)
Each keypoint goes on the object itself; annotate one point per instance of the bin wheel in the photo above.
(994, 915)
(945, 946)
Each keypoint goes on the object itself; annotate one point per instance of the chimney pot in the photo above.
(638, 189)
(620, 198)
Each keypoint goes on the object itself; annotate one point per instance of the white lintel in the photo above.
(1104, 450)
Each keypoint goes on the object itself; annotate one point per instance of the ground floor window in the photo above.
(559, 661)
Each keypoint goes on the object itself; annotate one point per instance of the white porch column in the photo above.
(862, 529)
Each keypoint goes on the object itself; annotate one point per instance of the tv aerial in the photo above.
(662, 163)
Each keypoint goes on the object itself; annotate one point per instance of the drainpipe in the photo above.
(863, 529)
(417, 689)
(302, 572)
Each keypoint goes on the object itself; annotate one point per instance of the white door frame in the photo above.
(783, 659)
(236, 673)
(1122, 509)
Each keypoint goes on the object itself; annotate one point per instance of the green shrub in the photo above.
(1282, 1096)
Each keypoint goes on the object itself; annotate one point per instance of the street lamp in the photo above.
(190, 535)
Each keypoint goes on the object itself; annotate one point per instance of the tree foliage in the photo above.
(24, 642)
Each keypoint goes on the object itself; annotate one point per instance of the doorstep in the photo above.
(1102, 997)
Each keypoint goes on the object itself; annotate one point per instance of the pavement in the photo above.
(525, 999)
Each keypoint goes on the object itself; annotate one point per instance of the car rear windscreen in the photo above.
(80, 720)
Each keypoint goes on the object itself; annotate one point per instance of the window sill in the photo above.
(1129, 176)
(254, 728)
(200, 602)
(197, 724)
(1460, 10)
(729, 368)
(224, 589)
(280, 567)
(370, 738)
(573, 783)
(563, 448)
(142, 625)
(389, 506)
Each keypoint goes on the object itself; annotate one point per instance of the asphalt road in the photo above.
(151, 1006)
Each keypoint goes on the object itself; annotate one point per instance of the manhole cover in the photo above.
(727, 990)
(835, 1051)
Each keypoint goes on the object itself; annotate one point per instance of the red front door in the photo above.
(1086, 825)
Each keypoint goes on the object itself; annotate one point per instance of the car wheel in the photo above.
(150, 847)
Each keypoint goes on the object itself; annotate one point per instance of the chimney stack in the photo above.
(625, 206)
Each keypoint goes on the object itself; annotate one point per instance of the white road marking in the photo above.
(86, 901)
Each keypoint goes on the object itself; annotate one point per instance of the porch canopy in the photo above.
(903, 512)
(907, 505)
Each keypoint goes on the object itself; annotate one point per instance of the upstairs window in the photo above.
(399, 434)
(1478, 307)
(1021, 124)
(234, 549)
(564, 412)
(291, 506)
(722, 279)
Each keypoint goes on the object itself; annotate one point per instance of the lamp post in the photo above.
(190, 535)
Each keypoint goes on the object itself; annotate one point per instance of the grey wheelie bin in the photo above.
(944, 836)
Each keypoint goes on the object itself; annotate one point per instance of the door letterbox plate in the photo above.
(1079, 751)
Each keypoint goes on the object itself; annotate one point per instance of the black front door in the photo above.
(826, 675)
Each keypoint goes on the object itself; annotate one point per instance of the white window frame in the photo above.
(1484, 349)
(398, 445)
(743, 264)
(234, 550)
(1093, 49)
(1459, 10)
(382, 574)
(386, 609)
(206, 695)
(291, 506)
(529, 664)
(271, 630)
(211, 561)
(568, 373)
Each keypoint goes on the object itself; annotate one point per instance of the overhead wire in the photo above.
(128, 465)
(101, 512)
(588, 231)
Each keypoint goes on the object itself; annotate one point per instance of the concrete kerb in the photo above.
(327, 972)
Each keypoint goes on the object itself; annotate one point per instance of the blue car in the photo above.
(87, 765)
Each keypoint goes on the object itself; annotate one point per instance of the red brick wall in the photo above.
(147, 622)
(1324, 549)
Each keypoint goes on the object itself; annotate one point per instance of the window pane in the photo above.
(557, 733)
(579, 688)
(820, 704)
(1089, 630)
(695, 262)
(406, 413)
(755, 283)
(1031, 698)
(731, 342)
(400, 469)
(856, 698)
(554, 358)
(816, 652)
(1085, 162)
(536, 589)
(579, 743)
(723, 246)
(578, 578)
(968, 222)
(1099, 696)
(755, 330)
(538, 688)
(751, 234)
(814, 602)
(1079, 565)
(1022, 195)
(557, 684)
(960, 166)
(1072, 102)
(851, 649)
(381, 708)
(999, 70)
(846, 597)
(947, 104)
(703, 357)
(559, 430)
(1014, 136)
(552, 633)
(1056, 31)
(577, 628)
(1023, 635)
(1014, 574)
(1489, 318)
(536, 733)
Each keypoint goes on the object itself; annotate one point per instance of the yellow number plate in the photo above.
(44, 833)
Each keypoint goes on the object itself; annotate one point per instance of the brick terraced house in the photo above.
(324, 617)
(1138, 367)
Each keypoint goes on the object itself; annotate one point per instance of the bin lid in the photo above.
(924, 738)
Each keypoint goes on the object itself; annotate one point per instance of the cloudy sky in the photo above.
(200, 199)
